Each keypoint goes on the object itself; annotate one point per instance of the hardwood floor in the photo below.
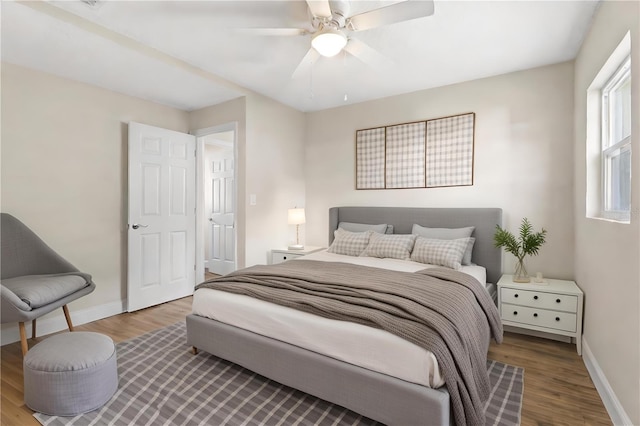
(557, 387)
(120, 327)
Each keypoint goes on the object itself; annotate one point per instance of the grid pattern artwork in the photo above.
(450, 151)
(370, 158)
(405, 157)
(424, 154)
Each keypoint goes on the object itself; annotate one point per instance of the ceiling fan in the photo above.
(332, 27)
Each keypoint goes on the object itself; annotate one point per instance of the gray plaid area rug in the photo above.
(162, 383)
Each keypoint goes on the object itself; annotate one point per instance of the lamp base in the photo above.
(296, 247)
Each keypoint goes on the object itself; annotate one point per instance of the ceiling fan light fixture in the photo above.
(329, 42)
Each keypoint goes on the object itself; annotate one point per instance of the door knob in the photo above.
(137, 225)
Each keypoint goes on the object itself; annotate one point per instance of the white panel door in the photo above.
(222, 215)
(162, 224)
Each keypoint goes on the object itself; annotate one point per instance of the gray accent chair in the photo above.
(34, 279)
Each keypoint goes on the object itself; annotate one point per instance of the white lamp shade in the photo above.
(329, 42)
(296, 216)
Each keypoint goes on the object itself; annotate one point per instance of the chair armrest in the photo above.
(12, 308)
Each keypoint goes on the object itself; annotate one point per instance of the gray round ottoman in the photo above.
(70, 373)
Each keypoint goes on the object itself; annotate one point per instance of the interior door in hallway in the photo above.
(222, 235)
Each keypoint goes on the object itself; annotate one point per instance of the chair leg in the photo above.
(33, 329)
(67, 317)
(23, 339)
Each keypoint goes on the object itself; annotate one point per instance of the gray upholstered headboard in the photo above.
(402, 218)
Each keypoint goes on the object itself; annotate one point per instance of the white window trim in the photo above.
(622, 72)
(594, 196)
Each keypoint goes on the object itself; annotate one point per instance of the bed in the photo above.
(389, 397)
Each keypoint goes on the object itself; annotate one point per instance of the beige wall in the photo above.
(523, 156)
(64, 150)
(275, 174)
(64, 169)
(217, 115)
(271, 154)
(607, 254)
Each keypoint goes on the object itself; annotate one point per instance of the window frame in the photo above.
(609, 148)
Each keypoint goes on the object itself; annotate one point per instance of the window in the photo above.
(616, 144)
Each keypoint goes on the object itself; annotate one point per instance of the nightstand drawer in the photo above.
(539, 299)
(539, 317)
(277, 257)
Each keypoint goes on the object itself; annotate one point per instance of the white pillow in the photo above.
(349, 243)
(447, 253)
(448, 234)
(397, 246)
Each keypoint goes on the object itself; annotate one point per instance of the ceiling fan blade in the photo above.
(403, 11)
(368, 55)
(320, 8)
(306, 63)
(271, 31)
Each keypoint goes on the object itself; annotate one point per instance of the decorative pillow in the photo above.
(362, 227)
(466, 259)
(393, 246)
(349, 243)
(442, 233)
(447, 253)
(448, 234)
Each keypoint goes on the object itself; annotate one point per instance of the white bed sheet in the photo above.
(357, 344)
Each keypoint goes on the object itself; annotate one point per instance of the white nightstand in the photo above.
(553, 307)
(280, 255)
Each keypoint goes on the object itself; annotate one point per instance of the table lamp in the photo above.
(296, 217)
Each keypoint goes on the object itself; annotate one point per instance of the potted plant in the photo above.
(528, 243)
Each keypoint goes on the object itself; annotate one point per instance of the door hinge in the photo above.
(194, 267)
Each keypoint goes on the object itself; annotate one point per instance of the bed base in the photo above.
(378, 396)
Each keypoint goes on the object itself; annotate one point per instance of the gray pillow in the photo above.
(390, 246)
(40, 290)
(448, 234)
(466, 259)
(362, 227)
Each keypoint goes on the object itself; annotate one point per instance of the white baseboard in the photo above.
(618, 416)
(57, 323)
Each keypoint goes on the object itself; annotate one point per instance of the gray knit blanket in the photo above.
(443, 311)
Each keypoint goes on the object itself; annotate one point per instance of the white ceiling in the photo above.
(182, 53)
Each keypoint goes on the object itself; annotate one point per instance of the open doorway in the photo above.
(217, 153)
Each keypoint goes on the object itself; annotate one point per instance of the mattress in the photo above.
(357, 344)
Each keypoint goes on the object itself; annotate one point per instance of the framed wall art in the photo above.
(423, 154)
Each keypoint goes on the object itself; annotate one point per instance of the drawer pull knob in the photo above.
(535, 315)
(284, 257)
(515, 312)
(557, 300)
(535, 297)
(515, 295)
(557, 318)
